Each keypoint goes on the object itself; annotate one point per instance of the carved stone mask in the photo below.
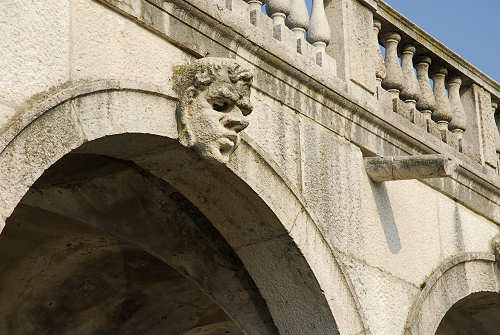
(214, 98)
(496, 248)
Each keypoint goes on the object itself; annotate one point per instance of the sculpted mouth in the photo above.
(228, 142)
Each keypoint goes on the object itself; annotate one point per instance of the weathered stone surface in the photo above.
(275, 128)
(461, 230)
(487, 121)
(38, 146)
(409, 167)
(362, 53)
(214, 100)
(385, 299)
(29, 63)
(329, 250)
(459, 278)
(6, 115)
(105, 46)
(334, 282)
(395, 224)
(472, 137)
(331, 177)
(290, 269)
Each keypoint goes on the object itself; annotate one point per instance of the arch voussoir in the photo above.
(456, 278)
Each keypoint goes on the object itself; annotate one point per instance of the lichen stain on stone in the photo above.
(179, 70)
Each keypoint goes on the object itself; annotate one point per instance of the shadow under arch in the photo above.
(247, 201)
(475, 314)
(455, 279)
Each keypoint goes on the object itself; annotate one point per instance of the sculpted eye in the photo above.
(219, 106)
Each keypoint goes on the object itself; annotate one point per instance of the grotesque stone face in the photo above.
(214, 100)
(496, 248)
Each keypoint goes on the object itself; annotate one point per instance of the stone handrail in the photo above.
(459, 109)
(292, 15)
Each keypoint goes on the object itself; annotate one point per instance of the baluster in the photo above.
(457, 123)
(494, 107)
(442, 114)
(278, 10)
(379, 59)
(255, 6)
(319, 33)
(411, 88)
(393, 81)
(427, 103)
(298, 20)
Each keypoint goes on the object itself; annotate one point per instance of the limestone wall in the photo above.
(372, 247)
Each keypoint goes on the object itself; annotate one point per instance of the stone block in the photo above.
(420, 121)
(385, 99)
(115, 112)
(361, 53)
(7, 114)
(385, 300)
(298, 305)
(332, 280)
(337, 12)
(488, 126)
(156, 114)
(35, 48)
(446, 291)
(107, 46)
(477, 231)
(331, 177)
(434, 130)
(402, 108)
(275, 128)
(399, 231)
(35, 149)
(454, 141)
(462, 230)
(473, 132)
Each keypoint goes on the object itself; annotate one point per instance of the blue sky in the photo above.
(469, 28)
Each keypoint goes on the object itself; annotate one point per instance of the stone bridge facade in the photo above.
(201, 167)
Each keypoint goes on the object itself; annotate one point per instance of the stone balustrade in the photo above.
(433, 87)
(496, 115)
(293, 15)
(441, 95)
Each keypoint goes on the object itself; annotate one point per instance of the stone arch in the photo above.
(455, 279)
(248, 200)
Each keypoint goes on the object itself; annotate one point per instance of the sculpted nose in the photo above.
(236, 124)
(235, 120)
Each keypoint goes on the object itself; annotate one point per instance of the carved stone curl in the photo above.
(214, 98)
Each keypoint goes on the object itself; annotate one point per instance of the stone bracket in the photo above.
(409, 167)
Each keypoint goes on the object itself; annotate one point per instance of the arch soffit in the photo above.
(288, 208)
(456, 278)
